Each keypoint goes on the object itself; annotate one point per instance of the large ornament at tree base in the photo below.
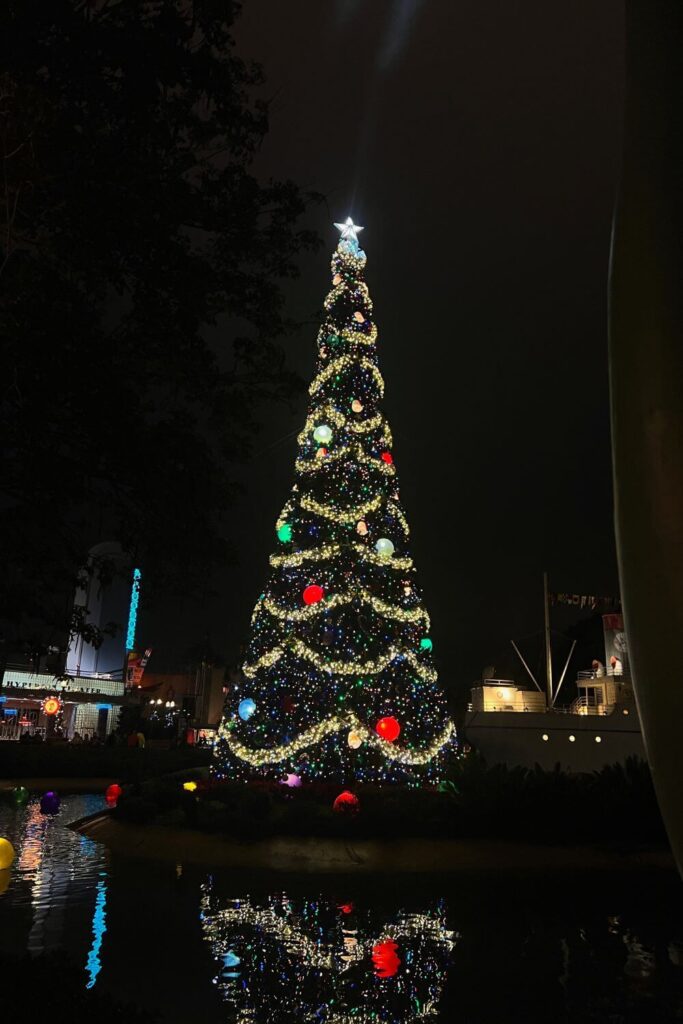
(384, 547)
(291, 780)
(49, 802)
(346, 803)
(112, 793)
(246, 709)
(6, 854)
(20, 796)
(323, 434)
(313, 593)
(388, 728)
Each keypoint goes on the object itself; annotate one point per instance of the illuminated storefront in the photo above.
(39, 703)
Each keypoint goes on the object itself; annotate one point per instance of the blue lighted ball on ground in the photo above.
(246, 708)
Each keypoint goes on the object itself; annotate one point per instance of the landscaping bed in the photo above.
(614, 805)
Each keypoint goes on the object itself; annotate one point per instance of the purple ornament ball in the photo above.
(49, 802)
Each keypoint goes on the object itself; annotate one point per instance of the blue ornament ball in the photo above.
(246, 709)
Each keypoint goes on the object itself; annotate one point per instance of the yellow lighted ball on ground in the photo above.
(6, 854)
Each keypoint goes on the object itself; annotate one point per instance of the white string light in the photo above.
(317, 733)
(372, 667)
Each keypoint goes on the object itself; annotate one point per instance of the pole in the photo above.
(533, 677)
(548, 653)
(564, 672)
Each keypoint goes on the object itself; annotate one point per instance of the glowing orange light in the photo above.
(50, 706)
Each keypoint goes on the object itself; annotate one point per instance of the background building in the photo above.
(90, 692)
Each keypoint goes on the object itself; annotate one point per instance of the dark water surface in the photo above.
(222, 946)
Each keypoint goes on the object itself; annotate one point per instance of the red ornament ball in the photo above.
(346, 803)
(388, 729)
(387, 457)
(112, 793)
(385, 959)
(313, 594)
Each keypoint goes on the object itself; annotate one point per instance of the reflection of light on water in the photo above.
(32, 841)
(53, 883)
(285, 959)
(99, 927)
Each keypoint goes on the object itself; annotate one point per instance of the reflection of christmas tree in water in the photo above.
(339, 680)
(283, 960)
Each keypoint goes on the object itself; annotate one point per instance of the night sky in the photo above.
(479, 144)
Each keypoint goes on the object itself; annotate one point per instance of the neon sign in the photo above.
(133, 611)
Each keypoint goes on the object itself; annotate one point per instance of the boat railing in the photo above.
(586, 706)
(590, 673)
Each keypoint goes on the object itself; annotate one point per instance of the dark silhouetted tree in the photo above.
(140, 289)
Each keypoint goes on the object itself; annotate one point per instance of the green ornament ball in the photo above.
(426, 644)
(20, 796)
(285, 533)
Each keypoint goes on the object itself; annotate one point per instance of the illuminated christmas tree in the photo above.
(339, 681)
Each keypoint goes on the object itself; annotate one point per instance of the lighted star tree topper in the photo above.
(339, 681)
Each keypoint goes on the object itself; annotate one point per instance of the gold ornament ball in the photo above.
(337, 279)
(362, 528)
(356, 405)
(354, 740)
(358, 317)
(321, 453)
(6, 854)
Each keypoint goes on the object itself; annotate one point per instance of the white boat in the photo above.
(517, 725)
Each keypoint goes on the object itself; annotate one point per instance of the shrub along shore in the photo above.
(615, 805)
